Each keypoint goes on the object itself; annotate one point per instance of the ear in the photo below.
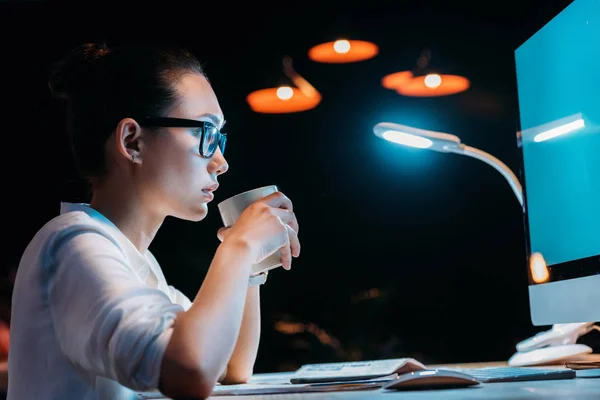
(127, 136)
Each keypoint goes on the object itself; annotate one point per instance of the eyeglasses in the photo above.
(211, 137)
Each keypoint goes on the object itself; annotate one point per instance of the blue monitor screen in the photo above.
(558, 82)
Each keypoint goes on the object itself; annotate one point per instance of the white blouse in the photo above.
(91, 315)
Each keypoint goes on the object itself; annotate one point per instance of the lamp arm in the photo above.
(489, 159)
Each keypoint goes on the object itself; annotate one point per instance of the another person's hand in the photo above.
(267, 225)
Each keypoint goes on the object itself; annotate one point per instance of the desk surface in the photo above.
(578, 388)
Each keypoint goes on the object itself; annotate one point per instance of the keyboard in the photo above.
(517, 374)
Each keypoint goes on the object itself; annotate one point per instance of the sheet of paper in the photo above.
(272, 378)
(327, 372)
(249, 388)
(279, 382)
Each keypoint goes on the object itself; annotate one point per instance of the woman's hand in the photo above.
(267, 225)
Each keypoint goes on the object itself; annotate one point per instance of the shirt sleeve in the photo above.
(107, 321)
(180, 298)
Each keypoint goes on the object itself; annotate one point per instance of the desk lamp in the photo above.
(558, 343)
(444, 143)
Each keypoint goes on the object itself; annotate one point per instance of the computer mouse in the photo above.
(549, 355)
(431, 379)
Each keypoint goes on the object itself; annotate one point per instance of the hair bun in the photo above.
(76, 71)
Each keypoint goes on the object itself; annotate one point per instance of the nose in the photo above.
(218, 165)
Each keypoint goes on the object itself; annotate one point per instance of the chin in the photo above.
(195, 213)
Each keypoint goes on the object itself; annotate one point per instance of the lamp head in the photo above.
(419, 138)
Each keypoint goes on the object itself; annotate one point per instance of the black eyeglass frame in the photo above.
(168, 122)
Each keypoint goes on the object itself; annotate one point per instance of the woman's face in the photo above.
(175, 177)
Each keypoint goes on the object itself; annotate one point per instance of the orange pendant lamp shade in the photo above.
(343, 51)
(426, 82)
(397, 79)
(281, 100)
(430, 85)
(285, 99)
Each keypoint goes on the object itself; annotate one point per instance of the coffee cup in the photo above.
(231, 209)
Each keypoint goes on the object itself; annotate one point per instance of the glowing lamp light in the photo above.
(343, 51)
(433, 81)
(342, 46)
(407, 139)
(285, 92)
(431, 85)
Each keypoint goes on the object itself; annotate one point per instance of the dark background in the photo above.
(405, 252)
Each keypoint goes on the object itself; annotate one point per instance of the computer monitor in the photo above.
(558, 83)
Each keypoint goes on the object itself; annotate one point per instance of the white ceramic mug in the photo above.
(232, 208)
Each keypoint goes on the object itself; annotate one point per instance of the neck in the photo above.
(124, 208)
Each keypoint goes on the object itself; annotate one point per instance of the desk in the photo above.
(578, 388)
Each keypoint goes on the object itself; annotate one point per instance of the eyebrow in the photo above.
(214, 119)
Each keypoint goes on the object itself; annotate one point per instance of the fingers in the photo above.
(278, 200)
(291, 249)
(287, 217)
(286, 257)
(294, 241)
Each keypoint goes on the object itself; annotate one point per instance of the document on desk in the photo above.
(354, 370)
(277, 388)
(280, 388)
(275, 384)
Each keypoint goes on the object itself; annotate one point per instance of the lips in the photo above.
(211, 189)
(208, 191)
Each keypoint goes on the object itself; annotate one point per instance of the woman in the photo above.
(92, 314)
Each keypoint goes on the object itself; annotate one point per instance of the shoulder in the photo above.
(68, 232)
(73, 224)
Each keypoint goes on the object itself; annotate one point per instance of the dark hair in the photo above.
(102, 86)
